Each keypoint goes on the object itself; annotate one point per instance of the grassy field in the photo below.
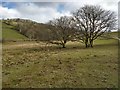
(8, 33)
(31, 64)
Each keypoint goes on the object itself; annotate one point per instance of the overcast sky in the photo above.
(44, 11)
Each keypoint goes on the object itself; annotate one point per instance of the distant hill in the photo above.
(9, 33)
(23, 29)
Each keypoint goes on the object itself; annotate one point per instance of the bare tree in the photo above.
(92, 22)
(28, 29)
(62, 30)
(31, 32)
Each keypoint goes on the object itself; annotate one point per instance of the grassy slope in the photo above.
(73, 66)
(0, 30)
(8, 33)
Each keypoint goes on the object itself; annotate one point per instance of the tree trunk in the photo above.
(63, 45)
(86, 43)
(91, 43)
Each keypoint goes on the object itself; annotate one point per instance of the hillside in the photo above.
(25, 28)
(39, 65)
(0, 30)
(9, 33)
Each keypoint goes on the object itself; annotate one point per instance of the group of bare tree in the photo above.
(86, 24)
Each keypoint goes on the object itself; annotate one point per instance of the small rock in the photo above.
(16, 84)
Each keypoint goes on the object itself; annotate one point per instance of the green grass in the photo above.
(73, 67)
(8, 33)
(0, 29)
(114, 33)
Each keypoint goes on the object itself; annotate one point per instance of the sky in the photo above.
(119, 16)
(42, 12)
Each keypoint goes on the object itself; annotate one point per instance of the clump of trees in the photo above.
(86, 24)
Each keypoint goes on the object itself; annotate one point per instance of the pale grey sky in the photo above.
(40, 11)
